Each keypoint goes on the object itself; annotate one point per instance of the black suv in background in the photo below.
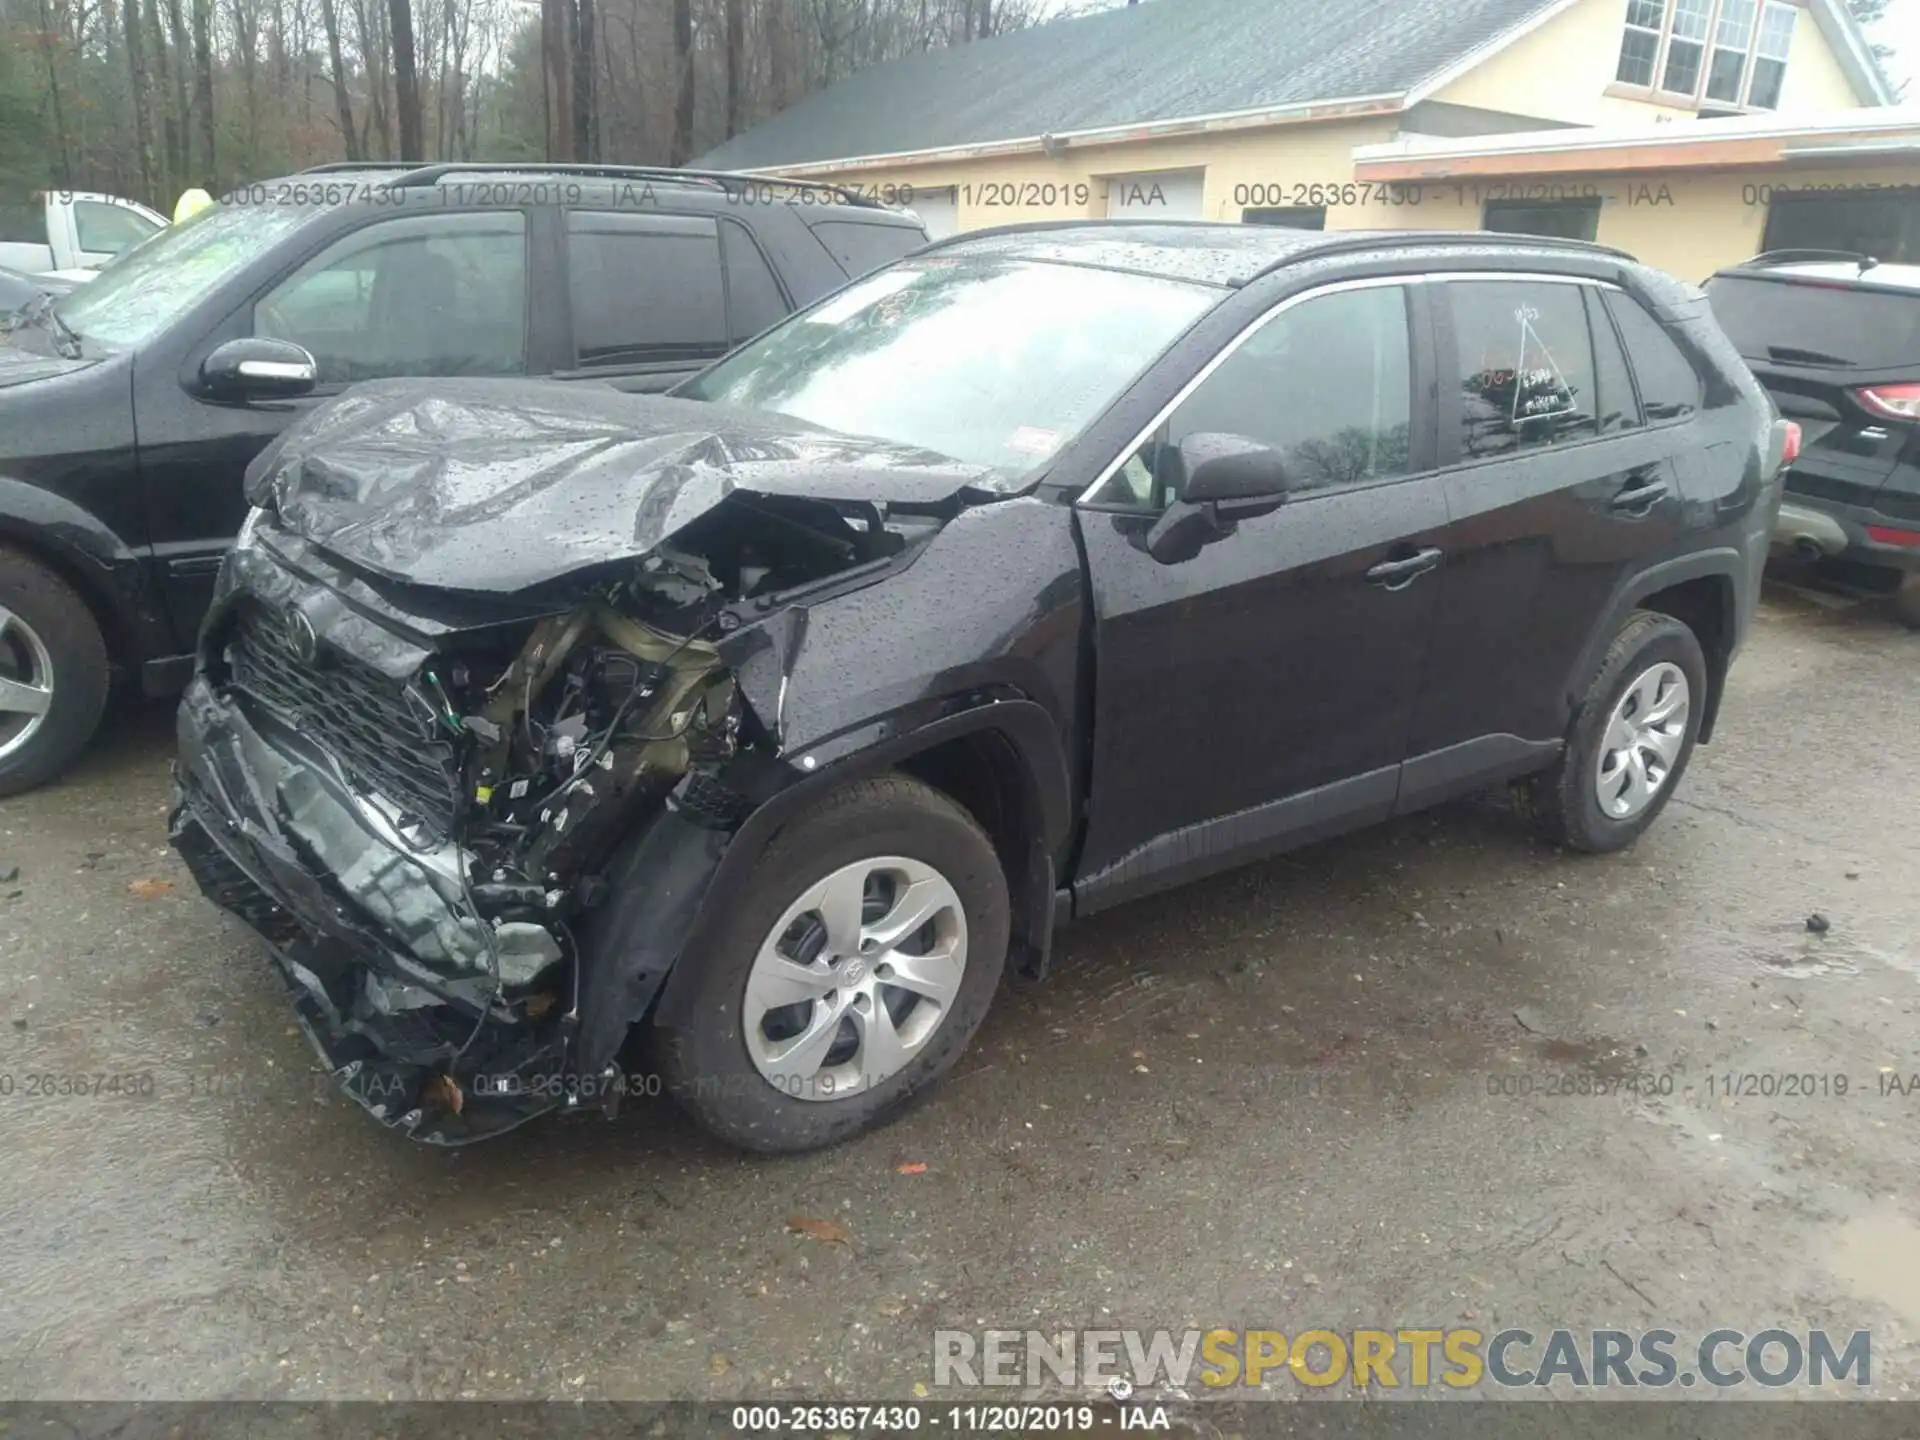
(1835, 339)
(130, 408)
(1044, 569)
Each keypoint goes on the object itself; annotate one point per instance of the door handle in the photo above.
(1639, 498)
(1398, 574)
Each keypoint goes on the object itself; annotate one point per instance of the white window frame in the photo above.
(1658, 32)
(1656, 89)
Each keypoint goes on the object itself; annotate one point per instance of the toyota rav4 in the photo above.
(765, 723)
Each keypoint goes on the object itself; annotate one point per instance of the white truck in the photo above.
(70, 233)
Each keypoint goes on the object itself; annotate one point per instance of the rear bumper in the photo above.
(1811, 528)
(390, 1028)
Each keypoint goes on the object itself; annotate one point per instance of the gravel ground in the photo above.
(1275, 1099)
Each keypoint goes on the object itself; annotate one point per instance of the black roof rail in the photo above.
(1797, 257)
(1458, 239)
(1331, 242)
(432, 174)
(334, 167)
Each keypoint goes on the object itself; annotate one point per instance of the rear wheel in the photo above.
(53, 673)
(1632, 737)
(863, 959)
(1906, 601)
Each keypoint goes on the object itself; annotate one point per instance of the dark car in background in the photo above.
(1041, 570)
(130, 409)
(1835, 339)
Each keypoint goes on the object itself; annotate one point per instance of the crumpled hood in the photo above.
(498, 485)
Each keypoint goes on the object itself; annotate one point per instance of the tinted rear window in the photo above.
(860, 247)
(1797, 322)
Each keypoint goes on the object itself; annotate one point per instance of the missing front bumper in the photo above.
(432, 1056)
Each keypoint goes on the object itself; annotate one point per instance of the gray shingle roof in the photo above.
(1162, 60)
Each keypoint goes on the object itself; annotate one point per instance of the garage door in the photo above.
(938, 210)
(1157, 195)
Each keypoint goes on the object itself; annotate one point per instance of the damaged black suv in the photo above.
(1040, 570)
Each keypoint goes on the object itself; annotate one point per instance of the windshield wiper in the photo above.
(1794, 355)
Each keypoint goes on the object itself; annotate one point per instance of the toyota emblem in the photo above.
(301, 638)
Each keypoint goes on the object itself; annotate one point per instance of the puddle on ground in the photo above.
(1600, 1056)
(1798, 954)
(1879, 1255)
(1807, 962)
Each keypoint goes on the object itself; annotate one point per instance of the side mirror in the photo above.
(1222, 479)
(258, 369)
(1216, 466)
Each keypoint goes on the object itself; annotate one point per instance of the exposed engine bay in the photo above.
(493, 674)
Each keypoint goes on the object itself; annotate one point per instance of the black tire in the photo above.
(1906, 602)
(1564, 797)
(48, 606)
(705, 1062)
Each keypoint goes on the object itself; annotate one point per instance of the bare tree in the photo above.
(203, 87)
(406, 78)
(169, 164)
(557, 66)
(48, 34)
(585, 103)
(182, 111)
(342, 97)
(681, 150)
(736, 12)
(141, 97)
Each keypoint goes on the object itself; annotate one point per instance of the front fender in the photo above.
(108, 573)
(679, 875)
(1043, 770)
(979, 636)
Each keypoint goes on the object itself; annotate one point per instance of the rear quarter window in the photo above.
(1809, 323)
(861, 245)
(1669, 385)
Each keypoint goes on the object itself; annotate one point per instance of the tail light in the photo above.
(1887, 535)
(1894, 402)
(1789, 444)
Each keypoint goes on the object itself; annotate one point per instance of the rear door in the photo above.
(1558, 488)
(655, 298)
(1815, 344)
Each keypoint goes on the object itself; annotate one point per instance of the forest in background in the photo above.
(145, 98)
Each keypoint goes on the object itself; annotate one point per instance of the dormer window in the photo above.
(1728, 54)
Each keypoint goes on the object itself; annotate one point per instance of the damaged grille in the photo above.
(362, 718)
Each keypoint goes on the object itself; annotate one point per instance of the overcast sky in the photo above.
(1901, 30)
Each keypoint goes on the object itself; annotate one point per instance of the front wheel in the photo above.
(53, 674)
(864, 957)
(1632, 737)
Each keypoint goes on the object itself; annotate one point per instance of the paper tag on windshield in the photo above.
(1032, 440)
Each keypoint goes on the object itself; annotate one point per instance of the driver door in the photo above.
(1260, 693)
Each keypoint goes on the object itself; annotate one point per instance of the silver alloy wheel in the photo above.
(854, 979)
(1642, 740)
(26, 683)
